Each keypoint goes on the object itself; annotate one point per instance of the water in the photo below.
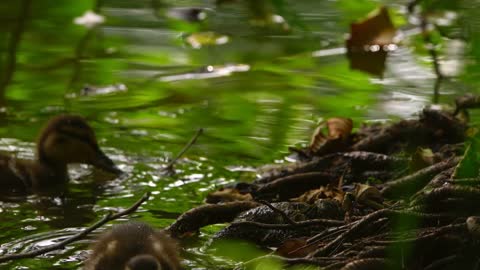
(146, 82)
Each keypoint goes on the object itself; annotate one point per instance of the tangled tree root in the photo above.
(378, 201)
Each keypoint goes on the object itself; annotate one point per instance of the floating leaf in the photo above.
(377, 29)
(370, 41)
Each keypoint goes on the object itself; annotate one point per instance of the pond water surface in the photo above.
(256, 75)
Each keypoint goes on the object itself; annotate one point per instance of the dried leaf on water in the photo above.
(376, 29)
(370, 41)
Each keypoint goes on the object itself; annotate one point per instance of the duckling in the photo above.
(134, 246)
(65, 139)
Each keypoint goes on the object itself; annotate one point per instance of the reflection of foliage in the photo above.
(10, 61)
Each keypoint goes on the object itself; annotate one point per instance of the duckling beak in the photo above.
(105, 163)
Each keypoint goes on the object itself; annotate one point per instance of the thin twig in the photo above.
(299, 224)
(60, 245)
(412, 4)
(441, 263)
(284, 215)
(192, 141)
(427, 38)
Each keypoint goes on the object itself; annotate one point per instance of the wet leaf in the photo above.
(338, 131)
(376, 29)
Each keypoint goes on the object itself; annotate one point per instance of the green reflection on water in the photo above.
(255, 95)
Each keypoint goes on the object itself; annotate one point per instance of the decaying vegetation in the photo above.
(398, 196)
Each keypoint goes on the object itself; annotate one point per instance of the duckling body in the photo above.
(65, 139)
(134, 246)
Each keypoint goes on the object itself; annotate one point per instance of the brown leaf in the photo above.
(318, 138)
(338, 131)
(368, 44)
(339, 127)
(376, 29)
(367, 61)
(368, 195)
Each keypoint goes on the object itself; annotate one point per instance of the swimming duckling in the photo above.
(134, 246)
(65, 139)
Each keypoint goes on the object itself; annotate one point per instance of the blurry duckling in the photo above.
(65, 139)
(134, 246)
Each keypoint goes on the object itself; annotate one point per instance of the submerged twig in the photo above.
(60, 245)
(169, 167)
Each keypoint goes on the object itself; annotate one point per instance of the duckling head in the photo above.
(134, 246)
(69, 139)
(144, 262)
